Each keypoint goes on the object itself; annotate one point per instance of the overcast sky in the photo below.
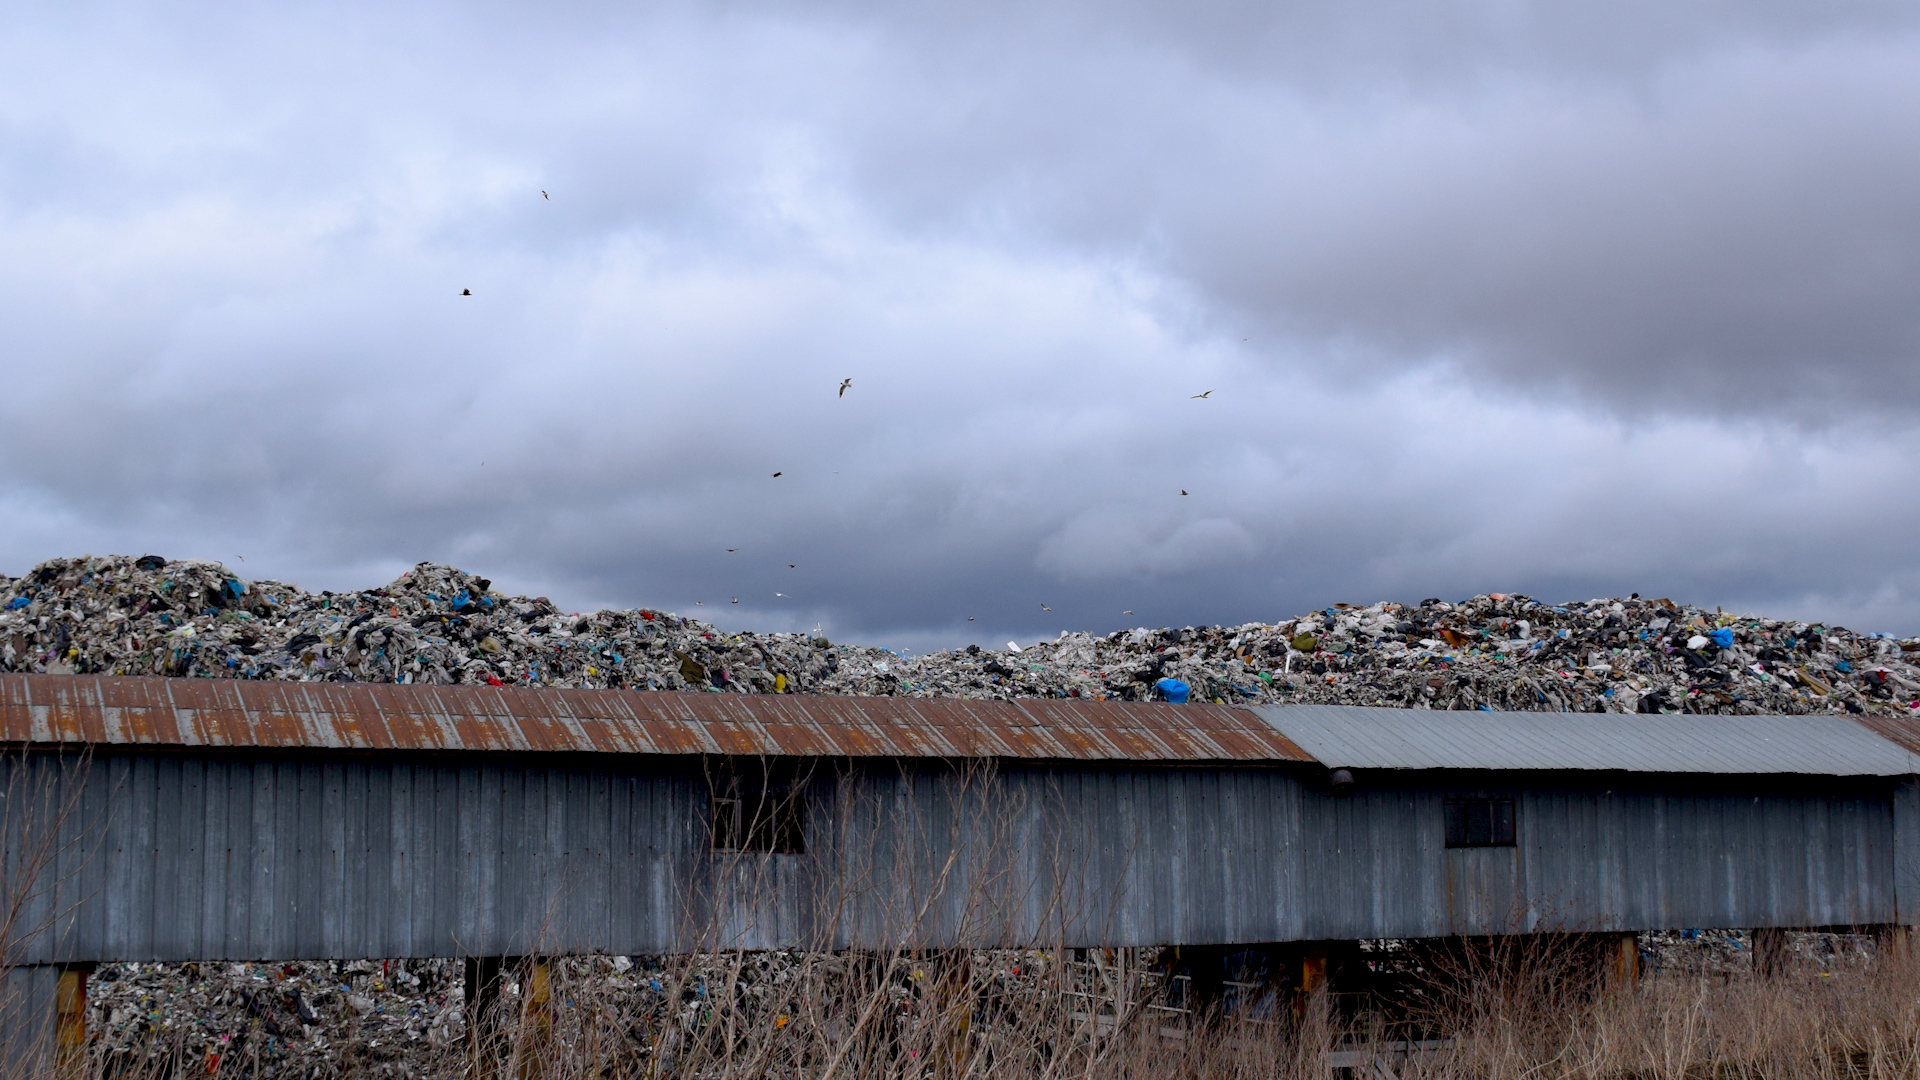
(1570, 299)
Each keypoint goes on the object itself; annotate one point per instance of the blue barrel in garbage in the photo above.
(1173, 690)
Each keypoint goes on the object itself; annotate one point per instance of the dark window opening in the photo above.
(759, 806)
(1479, 822)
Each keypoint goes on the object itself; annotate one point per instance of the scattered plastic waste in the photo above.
(1173, 690)
(437, 624)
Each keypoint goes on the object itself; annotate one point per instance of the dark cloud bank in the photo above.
(1569, 301)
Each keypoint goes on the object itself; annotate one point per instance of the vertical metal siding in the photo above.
(175, 857)
(1906, 858)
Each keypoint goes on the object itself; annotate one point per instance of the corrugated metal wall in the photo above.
(1145, 856)
(1906, 855)
(186, 856)
(174, 857)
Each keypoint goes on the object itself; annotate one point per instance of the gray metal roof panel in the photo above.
(1378, 738)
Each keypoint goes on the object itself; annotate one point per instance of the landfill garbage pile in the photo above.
(409, 1018)
(437, 624)
(278, 1019)
(1730, 952)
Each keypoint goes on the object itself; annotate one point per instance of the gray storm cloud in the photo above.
(1573, 301)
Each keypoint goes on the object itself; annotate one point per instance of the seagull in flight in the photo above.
(1044, 607)
(844, 383)
(783, 596)
(544, 195)
(731, 550)
(792, 566)
(776, 476)
(1183, 491)
(466, 292)
(736, 599)
(1203, 397)
(1126, 613)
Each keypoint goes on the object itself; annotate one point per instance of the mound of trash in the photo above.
(437, 624)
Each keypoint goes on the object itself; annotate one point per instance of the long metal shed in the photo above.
(156, 819)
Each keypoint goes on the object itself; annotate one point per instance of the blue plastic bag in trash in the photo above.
(1173, 690)
(1722, 637)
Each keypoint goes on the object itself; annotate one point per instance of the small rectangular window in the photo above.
(758, 808)
(727, 821)
(1479, 823)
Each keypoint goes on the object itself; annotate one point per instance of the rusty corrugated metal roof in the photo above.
(151, 711)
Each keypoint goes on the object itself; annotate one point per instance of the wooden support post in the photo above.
(535, 1040)
(1206, 978)
(1313, 969)
(953, 1003)
(1893, 941)
(1623, 961)
(1769, 952)
(70, 1015)
(483, 975)
(1313, 978)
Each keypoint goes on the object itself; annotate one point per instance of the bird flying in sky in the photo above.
(546, 196)
(1183, 491)
(844, 383)
(1044, 607)
(1203, 397)
(777, 474)
(466, 292)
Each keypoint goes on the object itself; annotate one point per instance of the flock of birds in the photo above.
(845, 385)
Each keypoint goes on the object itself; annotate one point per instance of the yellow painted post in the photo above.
(1313, 970)
(70, 1016)
(1313, 976)
(536, 1020)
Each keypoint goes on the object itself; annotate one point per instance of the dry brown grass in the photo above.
(1519, 1010)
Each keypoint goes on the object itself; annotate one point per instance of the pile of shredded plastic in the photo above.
(436, 624)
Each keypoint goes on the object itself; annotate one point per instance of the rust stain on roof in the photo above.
(152, 711)
(1901, 730)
